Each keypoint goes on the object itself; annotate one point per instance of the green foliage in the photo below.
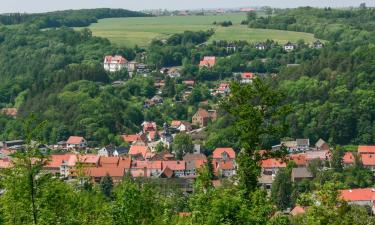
(106, 185)
(182, 144)
(282, 189)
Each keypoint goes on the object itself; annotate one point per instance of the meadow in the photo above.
(141, 30)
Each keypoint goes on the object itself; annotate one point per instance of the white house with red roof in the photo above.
(76, 142)
(366, 149)
(223, 160)
(247, 78)
(224, 88)
(114, 63)
(208, 61)
(271, 166)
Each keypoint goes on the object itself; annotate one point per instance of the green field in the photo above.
(141, 30)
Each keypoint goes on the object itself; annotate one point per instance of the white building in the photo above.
(289, 47)
(114, 63)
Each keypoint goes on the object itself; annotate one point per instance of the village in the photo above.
(149, 153)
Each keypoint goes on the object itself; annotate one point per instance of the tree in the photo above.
(169, 89)
(282, 189)
(106, 185)
(182, 144)
(258, 115)
(250, 16)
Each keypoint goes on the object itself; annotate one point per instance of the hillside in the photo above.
(140, 31)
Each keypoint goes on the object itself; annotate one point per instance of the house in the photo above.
(318, 44)
(173, 73)
(131, 138)
(271, 166)
(208, 61)
(76, 142)
(149, 126)
(298, 174)
(260, 46)
(223, 160)
(299, 145)
(112, 151)
(193, 163)
(360, 196)
(12, 112)
(299, 159)
(114, 63)
(224, 88)
(136, 150)
(181, 126)
(177, 166)
(321, 145)
(115, 167)
(231, 47)
(14, 144)
(247, 78)
(368, 160)
(224, 154)
(5, 163)
(157, 99)
(57, 165)
(366, 149)
(142, 69)
(146, 168)
(266, 180)
(202, 117)
(289, 47)
(132, 66)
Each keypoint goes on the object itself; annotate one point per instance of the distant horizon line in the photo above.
(187, 9)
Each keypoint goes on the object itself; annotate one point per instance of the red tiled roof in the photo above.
(131, 138)
(103, 171)
(152, 135)
(202, 113)
(140, 173)
(74, 140)
(109, 161)
(138, 149)
(272, 163)
(368, 159)
(247, 75)
(348, 158)
(174, 165)
(299, 159)
(217, 154)
(55, 161)
(89, 158)
(223, 86)
(5, 163)
(208, 61)
(226, 165)
(146, 164)
(322, 155)
(360, 194)
(298, 210)
(148, 126)
(115, 59)
(366, 149)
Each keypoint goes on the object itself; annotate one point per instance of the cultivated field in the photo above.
(140, 31)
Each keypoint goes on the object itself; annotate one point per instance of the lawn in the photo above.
(141, 30)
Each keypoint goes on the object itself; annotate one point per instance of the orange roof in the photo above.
(9, 111)
(109, 161)
(131, 138)
(152, 135)
(174, 165)
(226, 165)
(202, 113)
(247, 75)
(208, 61)
(89, 158)
(360, 194)
(103, 171)
(55, 161)
(299, 159)
(138, 149)
(298, 210)
(146, 164)
(140, 173)
(218, 152)
(74, 140)
(368, 159)
(124, 162)
(366, 149)
(5, 163)
(348, 158)
(272, 163)
(223, 86)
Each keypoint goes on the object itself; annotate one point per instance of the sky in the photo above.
(30, 6)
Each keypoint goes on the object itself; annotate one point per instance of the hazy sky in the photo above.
(50, 5)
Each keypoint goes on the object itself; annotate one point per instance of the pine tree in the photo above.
(106, 185)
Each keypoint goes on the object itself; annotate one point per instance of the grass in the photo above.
(141, 30)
